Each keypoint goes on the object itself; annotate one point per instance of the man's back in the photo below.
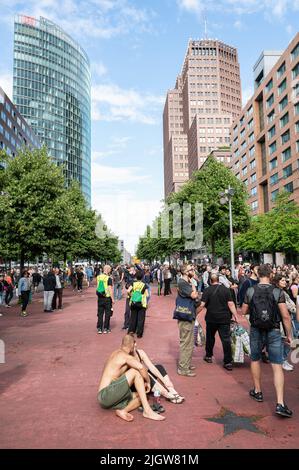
(216, 298)
(115, 366)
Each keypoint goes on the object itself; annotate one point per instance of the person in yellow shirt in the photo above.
(105, 300)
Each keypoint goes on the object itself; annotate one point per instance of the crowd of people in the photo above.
(266, 296)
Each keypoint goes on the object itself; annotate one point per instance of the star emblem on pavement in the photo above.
(233, 422)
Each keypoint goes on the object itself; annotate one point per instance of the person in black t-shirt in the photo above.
(219, 304)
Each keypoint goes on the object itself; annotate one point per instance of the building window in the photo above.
(246, 182)
(251, 151)
(283, 103)
(250, 124)
(272, 148)
(286, 154)
(273, 164)
(287, 171)
(295, 71)
(251, 137)
(271, 116)
(284, 120)
(270, 101)
(271, 132)
(296, 107)
(253, 178)
(297, 127)
(289, 187)
(243, 159)
(274, 195)
(254, 205)
(295, 52)
(281, 70)
(282, 86)
(244, 170)
(253, 191)
(269, 86)
(252, 164)
(274, 179)
(285, 137)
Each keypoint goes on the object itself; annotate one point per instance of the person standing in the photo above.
(80, 276)
(220, 307)
(105, 300)
(8, 287)
(49, 282)
(130, 278)
(138, 303)
(58, 289)
(267, 308)
(167, 279)
(117, 277)
(160, 279)
(24, 292)
(186, 290)
(36, 279)
(2, 292)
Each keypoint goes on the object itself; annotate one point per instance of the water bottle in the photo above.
(157, 401)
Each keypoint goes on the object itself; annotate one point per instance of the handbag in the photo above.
(184, 309)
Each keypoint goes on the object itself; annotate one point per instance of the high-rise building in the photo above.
(14, 130)
(51, 89)
(198, 113)
(265, 137)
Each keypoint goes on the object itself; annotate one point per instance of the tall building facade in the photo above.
(51, 88)
(14, 130)
(265, 137)
(200, 110)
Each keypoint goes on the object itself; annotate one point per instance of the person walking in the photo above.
(187, 298)
(24, 292)
(105, 300)
(36, 279)
(138, 303)
(167, 279)
(49, 282)
(217, 299)
(267, 308)
(8, 288)
(80, 277)
(130, 278)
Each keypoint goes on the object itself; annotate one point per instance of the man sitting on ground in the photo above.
(121, 371)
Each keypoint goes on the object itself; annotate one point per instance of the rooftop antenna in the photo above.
(206, 25)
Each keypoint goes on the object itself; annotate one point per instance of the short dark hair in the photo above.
(139, 275)
(223, 267)
(264, 270)
(214, 278)
(253, 265)
(278, 277)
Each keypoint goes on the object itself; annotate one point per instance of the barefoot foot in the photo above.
(124, 415)
(152, 415)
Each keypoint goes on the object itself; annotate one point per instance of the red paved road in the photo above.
(50, 378)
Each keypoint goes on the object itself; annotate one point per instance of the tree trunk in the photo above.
(22, 262)
(213, 248)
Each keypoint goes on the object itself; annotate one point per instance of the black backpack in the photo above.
(263, 302)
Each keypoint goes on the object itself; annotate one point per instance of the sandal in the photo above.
(158, 409)
(176, 399)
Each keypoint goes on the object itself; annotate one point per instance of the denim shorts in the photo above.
(271, 339)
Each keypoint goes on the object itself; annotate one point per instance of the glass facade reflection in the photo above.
(51, 89)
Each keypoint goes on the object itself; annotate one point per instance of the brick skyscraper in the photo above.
(200, 109)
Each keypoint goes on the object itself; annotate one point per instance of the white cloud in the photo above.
(6, 82)
(98, 69)
(126, 214)
(239, 25)
(271, 8)
(247, 94)
(91, 18)
(112, 103)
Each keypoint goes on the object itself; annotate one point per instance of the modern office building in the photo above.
(265, 137)
(51, 89)
(200, 109)
(14, 130)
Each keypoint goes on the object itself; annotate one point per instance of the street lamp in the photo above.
(226, 196)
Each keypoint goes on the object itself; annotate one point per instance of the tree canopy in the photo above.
(39, 214)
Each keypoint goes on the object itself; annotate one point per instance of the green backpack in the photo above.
(101, 290)
(137, 297)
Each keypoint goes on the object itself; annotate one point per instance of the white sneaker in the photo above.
(287, 366)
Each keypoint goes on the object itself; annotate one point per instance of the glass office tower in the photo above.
(51, 89)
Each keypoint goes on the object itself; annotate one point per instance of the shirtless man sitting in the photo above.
(121, 371)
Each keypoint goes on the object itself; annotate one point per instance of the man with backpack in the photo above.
(266, 306)
(138, 304)
(105, 300)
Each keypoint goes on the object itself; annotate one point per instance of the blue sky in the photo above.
(136, 49)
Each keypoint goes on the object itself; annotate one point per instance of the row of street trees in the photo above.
(275, 231)
(39, 214)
